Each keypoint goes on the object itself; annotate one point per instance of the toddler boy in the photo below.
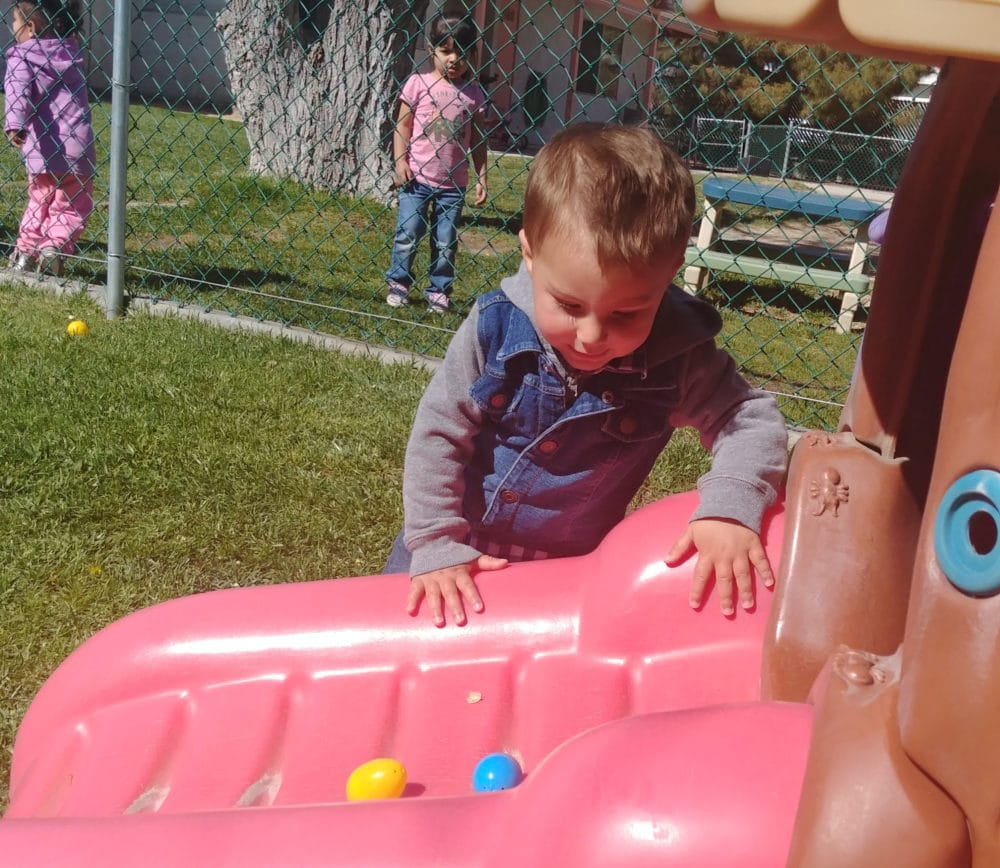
(560, 389)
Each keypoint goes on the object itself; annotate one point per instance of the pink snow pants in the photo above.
(57, 212)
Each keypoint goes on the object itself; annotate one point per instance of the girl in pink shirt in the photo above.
(437, 128)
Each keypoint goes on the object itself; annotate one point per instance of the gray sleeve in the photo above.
(743, 429)
(439, 448)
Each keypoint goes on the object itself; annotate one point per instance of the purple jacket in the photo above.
(46, 95)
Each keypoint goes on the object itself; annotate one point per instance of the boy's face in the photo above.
(590, 315)
(449, 60)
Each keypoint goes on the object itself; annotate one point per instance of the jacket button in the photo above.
(498, 401)
(628, 425)
(547, 447)
(608, 397)
(508, 496)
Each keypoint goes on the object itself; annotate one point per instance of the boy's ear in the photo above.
(525, 250)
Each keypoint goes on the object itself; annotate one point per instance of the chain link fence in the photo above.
(259, 165)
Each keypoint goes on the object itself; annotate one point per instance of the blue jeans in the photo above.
(420, 206)
(399, 558)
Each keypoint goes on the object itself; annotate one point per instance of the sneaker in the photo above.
(438, 302)
(398, 295)
(23, 262)
(50, 261)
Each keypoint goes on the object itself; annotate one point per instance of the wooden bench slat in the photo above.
(780, 197)
(783, 272)
(852, 283)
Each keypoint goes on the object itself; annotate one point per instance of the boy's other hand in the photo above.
(481, 194)
(727, 550)
(16, 137)
(447, 588)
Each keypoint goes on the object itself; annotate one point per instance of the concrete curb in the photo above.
(136, 304)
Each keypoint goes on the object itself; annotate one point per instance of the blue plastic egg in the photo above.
(496, 771)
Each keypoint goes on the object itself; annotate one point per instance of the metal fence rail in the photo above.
(263, 188)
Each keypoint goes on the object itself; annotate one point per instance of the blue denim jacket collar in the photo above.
(682, 322)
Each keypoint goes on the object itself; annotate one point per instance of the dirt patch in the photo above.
(171, 242)
(479, 244)
(794, 233)
(164, 203)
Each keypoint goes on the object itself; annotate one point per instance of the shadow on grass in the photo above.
(782, 302)
(497, 222)
(211, 279)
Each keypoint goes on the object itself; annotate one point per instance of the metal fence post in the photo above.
(118, 168)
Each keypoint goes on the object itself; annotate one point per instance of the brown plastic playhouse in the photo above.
(887, 613)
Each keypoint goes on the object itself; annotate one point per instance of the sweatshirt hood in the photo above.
(682, 322)
(50, 57)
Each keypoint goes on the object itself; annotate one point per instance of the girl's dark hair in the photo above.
(453, 23)
(62, 17)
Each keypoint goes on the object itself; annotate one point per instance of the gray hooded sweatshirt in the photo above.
(513, 453)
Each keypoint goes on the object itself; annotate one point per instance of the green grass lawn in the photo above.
(161, 457)
(274, 249)
(203, 230)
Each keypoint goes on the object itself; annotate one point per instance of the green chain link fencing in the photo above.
(259, 178)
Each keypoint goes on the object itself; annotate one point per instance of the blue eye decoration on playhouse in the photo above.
(967, 533)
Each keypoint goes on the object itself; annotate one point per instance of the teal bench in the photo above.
(853, 283)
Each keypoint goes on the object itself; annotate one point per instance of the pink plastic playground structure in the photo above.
(221, 729)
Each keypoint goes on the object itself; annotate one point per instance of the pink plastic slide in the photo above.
(220, 729)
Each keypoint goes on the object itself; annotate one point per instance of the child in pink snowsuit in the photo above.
(48, 118)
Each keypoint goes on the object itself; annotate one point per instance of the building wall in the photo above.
(176, 55)
(630, 93)
(539, 41)
(177, 58)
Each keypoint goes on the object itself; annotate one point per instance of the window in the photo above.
(600, 59)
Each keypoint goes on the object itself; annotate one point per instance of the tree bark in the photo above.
(323, 113)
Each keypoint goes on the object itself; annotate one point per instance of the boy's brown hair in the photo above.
(623, 186)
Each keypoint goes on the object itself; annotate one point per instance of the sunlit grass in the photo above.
(160, 457)
(203, 230)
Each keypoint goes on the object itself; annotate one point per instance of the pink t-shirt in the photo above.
(442, 128)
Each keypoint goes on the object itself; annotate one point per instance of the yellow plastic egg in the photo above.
(77, 328)
(376, 779)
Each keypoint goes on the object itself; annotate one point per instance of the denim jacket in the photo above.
(514, 454)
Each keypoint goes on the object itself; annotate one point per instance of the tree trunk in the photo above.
(323, 113)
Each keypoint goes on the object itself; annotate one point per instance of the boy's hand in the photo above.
(728, 550)
(16, 137)
(480, 194)
(448, 587)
